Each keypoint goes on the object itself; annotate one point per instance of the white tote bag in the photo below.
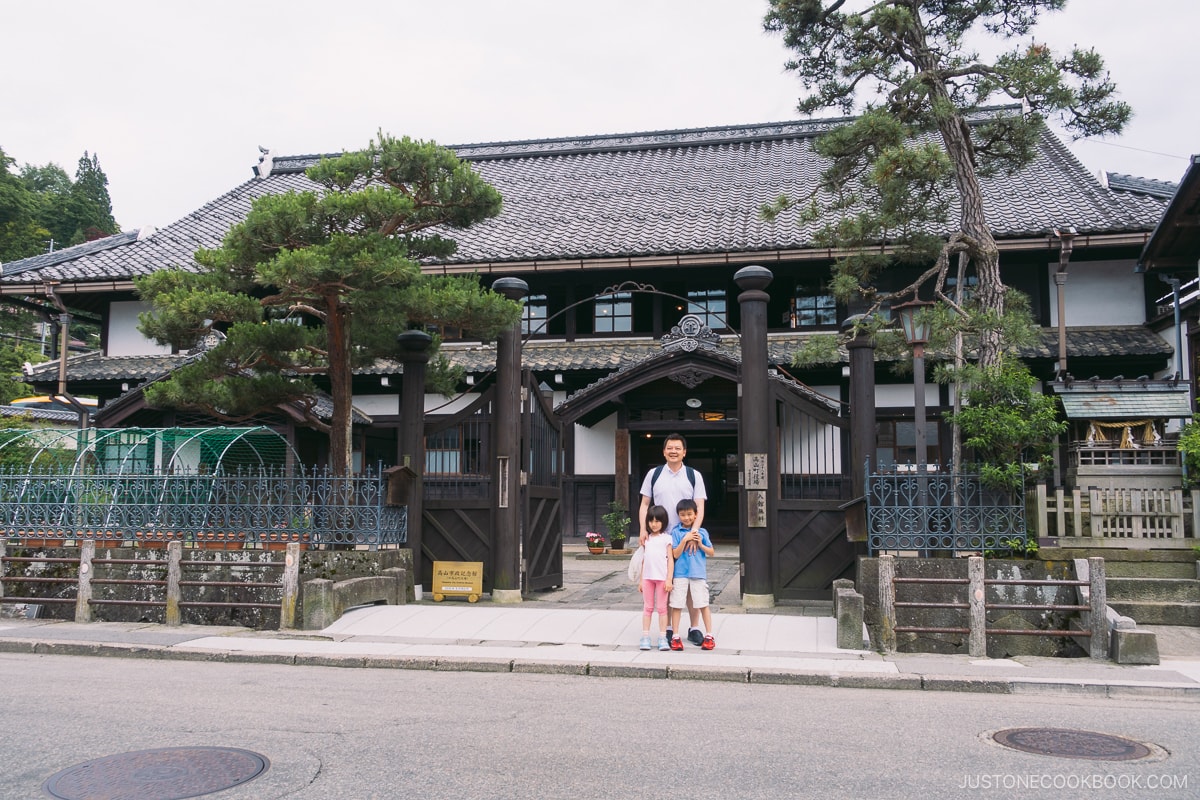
(635, 564)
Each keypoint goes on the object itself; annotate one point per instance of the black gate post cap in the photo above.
(512, 288)
(414, 341)
(753, 277)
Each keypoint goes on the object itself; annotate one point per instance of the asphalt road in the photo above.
(352, 733)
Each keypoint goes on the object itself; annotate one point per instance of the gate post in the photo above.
(414, 355)
(754, 436)
(862, 407)
(506, 516)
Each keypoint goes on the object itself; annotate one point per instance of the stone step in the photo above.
(1112, 554)
(1149, 569)
(1148, 612)
(1163, 590)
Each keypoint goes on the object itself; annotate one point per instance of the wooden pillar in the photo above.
(862, 407)
(414, 355)
(506, 515)
(621, 470)
(757, 502)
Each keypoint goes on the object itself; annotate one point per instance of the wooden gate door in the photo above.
(812, 478)
(541, 494)
(458, 489)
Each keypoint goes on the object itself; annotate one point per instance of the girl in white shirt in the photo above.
(658, 567)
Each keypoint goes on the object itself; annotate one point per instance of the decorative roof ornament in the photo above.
(689, 335)
(266, 162)
(691, 378)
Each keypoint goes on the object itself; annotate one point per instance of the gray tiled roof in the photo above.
(1127, 400)
(665, 193)
(1133, 183)
(614, 354)
(70, 253)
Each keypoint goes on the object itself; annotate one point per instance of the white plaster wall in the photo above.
(901, 395)
(832, 392)
(124, 339)
(381, 405)
(595, 447)
(1099, 293)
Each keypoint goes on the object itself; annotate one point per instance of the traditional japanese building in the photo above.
(619, 237)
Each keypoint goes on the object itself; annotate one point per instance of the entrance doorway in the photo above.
(714, 456)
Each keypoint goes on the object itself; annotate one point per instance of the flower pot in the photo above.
(596, 551)
(155, 540)
(279, 541)
(210, 540)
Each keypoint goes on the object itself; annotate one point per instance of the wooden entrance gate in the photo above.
(460, 496)
(812, 481)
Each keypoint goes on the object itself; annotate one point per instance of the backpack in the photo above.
(691, 476)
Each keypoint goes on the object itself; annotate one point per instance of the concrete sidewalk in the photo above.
(591, 626)
(753, 648)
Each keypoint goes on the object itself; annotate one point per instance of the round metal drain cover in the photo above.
(1066, 743)
(170, 773)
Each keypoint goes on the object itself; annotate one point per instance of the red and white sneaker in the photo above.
(676, 643)
(708, 644)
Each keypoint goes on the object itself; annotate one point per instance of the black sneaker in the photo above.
(696, 637)
(670, 634)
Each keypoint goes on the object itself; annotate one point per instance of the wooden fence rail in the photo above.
(1130, 518)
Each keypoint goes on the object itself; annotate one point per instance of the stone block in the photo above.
(848, 609)
(840, 583)
(1134, 647)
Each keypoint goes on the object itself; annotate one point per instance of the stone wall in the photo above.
(998, 646)
(223, 576)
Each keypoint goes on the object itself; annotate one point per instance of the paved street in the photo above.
(354, 733)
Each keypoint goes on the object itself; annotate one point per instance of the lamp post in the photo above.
(916, 332)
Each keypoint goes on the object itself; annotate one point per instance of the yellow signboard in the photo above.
(457, 579)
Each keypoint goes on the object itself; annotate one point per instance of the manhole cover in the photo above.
(1066, 743)
(170, 773)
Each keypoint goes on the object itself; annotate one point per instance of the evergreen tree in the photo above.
(20, 234)
(88, 213)
(895, 168)
(317, 282)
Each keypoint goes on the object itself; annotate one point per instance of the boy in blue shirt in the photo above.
(691, 550)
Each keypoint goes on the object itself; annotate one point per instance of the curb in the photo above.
(766, 677)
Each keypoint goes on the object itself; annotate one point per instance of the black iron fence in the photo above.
(243, 507)
(941, 510)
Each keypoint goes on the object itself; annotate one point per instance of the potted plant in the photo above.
(595, 542)
(617, 521)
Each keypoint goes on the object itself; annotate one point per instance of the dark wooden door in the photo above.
(541, 501)
(812, 480)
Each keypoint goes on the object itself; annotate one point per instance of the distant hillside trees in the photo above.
(42, 204)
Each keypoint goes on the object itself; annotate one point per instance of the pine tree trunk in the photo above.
(340, 387)
(982, 248)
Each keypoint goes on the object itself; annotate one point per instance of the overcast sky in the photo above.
(175, 98)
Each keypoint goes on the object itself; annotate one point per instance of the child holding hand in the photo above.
(658, 567)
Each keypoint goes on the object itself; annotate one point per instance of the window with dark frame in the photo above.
(710, 306)
(534, 315)
(896, 443)
(813, 308)
(614, 313)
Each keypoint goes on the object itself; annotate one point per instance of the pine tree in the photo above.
(314, 283)
(895, 168)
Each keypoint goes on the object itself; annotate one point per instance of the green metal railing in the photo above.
(244, 506)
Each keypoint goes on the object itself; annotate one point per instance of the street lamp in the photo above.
(916, 332)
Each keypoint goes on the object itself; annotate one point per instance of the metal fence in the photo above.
(241, 507)
(947, 511)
